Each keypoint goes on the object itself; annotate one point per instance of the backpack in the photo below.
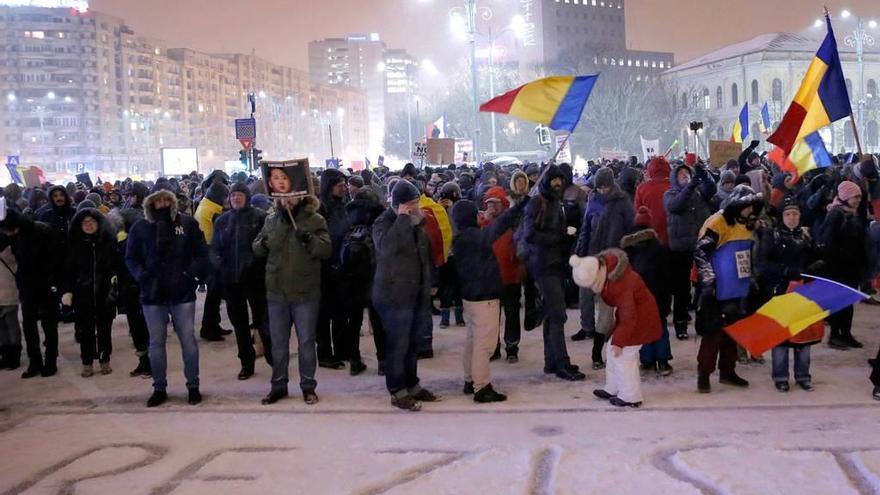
(356, 254)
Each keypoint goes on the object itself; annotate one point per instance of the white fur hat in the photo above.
(584, 270)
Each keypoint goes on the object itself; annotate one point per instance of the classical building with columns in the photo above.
(769, 68)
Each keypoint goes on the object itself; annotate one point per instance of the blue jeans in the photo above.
(183, 319)
(304, 316)
(403, 329)
(801, 363)
(659, 350)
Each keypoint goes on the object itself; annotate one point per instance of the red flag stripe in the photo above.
(502, 103)
(786, 134)
(758, 333)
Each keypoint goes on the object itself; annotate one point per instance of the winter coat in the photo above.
(686, 210)
(842, 237)
(647, 257)
(636, 317)
(608, 218)
(38, 252)
(8, 287)
(443, 223)
(504, 247)
(333, 212)
(874, 249)
(232, 250)
(403, 261)
(166, 259)
(206, 213)
(293, 267)
(57, 217)
(359, 269)
(477, 268)
(544, 231)
(723, 257)
(650, 194)
(92, 261)
(782, 255)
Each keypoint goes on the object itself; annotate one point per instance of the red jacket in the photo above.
(636, 319)
(504, 249)
(650, 194)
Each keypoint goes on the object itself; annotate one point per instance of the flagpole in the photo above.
(852, 120)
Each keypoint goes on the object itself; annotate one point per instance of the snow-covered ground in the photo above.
(68, 434)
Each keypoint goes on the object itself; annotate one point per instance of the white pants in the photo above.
(483, 320)
(622, 373)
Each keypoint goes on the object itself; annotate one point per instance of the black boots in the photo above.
(246, 372)
(356, 367)
(157, 399)
(488, 394)
(703, 385)
(11, 357)
(274, 396)
(194, 396)
(733, 379)
(143, 367)
(583, 335)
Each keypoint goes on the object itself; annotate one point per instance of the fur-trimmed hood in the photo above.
(638, 237)
(615, 261)
(150, 201)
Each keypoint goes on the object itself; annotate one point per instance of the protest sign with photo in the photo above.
(288, 179)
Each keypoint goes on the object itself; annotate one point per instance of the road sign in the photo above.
(246, 143)
(13, 160)
(246, 129)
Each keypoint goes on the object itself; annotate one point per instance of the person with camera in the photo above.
(687, 208)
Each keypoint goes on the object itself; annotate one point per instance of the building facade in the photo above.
(770, 68)
(357, 61)
(558, 30)
(83, 92)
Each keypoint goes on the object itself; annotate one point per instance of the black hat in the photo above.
(404, 192)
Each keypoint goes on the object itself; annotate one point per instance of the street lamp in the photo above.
(859, 39)
(469, 13)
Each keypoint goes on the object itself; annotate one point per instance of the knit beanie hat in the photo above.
(790, 204)
(356, 181)
(604, 178)
(643, 217)
(240, 187)
(867, 169)
(404, 192)
(847, 190)
(217, 193)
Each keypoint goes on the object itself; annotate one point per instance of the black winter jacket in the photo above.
(232, 252)
(544, 230)
(92, 261)
(38, 253)
(403, 261)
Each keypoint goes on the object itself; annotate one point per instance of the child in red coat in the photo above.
(636, 321)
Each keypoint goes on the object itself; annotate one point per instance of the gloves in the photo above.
(303, 236)
(571, 231)
(754, 144)
(67, 299)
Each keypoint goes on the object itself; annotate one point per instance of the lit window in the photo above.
(60, 35)
(661, 64)
(35, 34)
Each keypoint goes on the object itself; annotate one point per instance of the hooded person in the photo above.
(210, 207)
(519, 186)
(294, 241)
(687, 208)
(37, 250)
(724, 270)
(133, 210)
(629, 179)
(241, 276)
(608, 217)
(726, 183)
(448, 289)
(482, 288)
(543, 236)
(636, 321)
(93, 263)
(58, 212)
(843, 240)
(36, 201)
(650, 195)
(402, 292)
(167, 255)
(331, 317)
(357, 270)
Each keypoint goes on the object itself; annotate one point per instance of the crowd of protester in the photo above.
(631, 247)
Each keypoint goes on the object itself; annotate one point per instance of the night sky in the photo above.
(279, 30)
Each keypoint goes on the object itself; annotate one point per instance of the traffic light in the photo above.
(243, 158)
(258, 156)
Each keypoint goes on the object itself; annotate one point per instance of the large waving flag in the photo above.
(741, 127)
(821, 99)
(787, 315)
(807, 154)
(556, 102)
(765, 119)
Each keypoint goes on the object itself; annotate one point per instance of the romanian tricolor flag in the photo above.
(556, 102)
(787, 315)
(821, 99)
(741, 127)
(807, 154)
(765, 119)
